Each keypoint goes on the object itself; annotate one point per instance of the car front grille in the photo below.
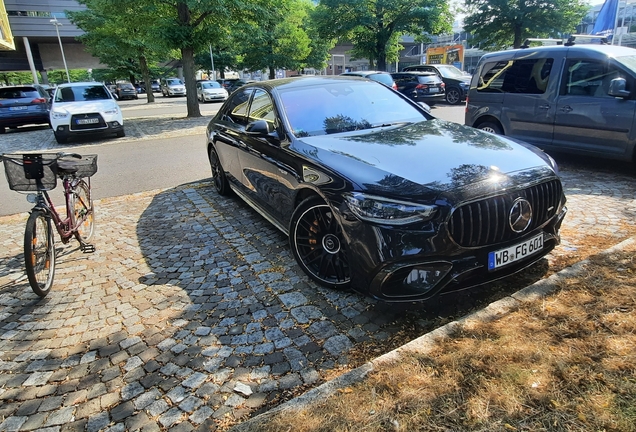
(78, 121)
(486, 222)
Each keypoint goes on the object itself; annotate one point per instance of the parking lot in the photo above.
(192, 313)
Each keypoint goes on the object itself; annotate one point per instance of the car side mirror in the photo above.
(617, 88)
(261, 128)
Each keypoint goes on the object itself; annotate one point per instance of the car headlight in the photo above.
(59, 114)
(112, 111)
(388, 211)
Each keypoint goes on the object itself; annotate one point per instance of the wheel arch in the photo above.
(488, 119)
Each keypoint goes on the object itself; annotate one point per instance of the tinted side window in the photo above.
(262, 107)
(529, 76)
(236, 108)
(590, 78)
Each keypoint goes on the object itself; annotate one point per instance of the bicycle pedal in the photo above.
(87, 248)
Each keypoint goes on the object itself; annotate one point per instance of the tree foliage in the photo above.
(117, 33)
(372, 25)
(281, 36)
(500, 24)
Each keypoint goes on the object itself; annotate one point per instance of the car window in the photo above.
(81, 93)
(126, 86)
(385, 79)
(450, 72)
(529, 76)
(210, 85)
(235, 110)
(344, 106)
(174, 82)
(18, 93)
(590, 78)
(262, 107)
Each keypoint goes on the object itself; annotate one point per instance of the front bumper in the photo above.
(214, 97)
(395, 265)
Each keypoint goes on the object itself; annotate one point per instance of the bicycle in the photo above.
(39, 173)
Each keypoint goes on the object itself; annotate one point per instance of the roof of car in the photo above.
(609, 50)
(80, 84)
(364, 73)
(307, 81)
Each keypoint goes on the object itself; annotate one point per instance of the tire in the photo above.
(82, 205)
(39, 252)
(221, 184)
(318, 244)
(491, 127)
(60, 139)
(2, 130)
(453, 96)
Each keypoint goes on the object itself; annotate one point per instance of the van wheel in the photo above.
(491, 127)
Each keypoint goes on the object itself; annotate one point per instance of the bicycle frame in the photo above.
(65, 227)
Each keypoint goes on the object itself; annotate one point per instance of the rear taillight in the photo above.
(421, 86)
(38, 100)
(394, 86)
(443, 85)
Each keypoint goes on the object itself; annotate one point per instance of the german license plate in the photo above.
(17, 108)
(87, 121)
(433, 90)
(512, 254)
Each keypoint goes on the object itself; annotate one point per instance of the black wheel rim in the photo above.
(453, 97)
(321, 247)
(216, 170)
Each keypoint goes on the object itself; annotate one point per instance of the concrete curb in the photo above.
(425, 343)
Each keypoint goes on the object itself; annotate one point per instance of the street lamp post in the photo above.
(57, 25)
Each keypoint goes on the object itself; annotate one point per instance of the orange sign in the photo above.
(451, 54)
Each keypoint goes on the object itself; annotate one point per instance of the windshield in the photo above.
(210, 85)
(81, 93)
(628, 61)
(174, 82)
(450, 72)
(344, 106)
(127, 86)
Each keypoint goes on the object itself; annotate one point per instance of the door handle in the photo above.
(566, 108)
(544, 107)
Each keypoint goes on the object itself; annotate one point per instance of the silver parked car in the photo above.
(172, 87)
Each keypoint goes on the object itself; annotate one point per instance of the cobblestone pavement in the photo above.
(192, 311)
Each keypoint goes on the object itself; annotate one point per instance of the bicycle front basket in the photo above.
(30, 172)
(87, 166)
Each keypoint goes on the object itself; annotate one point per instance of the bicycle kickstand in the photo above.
(87, 248)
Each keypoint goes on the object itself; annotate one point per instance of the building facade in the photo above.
(36, 45)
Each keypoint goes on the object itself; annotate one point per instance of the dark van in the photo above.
(579, 98)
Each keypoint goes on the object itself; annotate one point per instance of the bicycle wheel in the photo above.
(39, 252)
(83, 213)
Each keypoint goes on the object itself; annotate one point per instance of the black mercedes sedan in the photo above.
(377, 195)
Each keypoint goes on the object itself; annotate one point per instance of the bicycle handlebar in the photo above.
(61, 155)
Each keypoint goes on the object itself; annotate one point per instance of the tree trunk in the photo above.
(380, 48)
(517, 40)
(187, 58)
(272, 72)
(145, 72)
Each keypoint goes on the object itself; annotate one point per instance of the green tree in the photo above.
(116, 33)
(500, 24)
(372, 25)
(277, 38)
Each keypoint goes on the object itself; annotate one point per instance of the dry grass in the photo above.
(565, 363)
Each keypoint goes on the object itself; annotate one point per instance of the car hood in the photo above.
(425, 159)
(85, 107)
(465, 80)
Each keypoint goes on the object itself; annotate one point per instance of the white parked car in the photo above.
(85, 108)
(211, 91)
